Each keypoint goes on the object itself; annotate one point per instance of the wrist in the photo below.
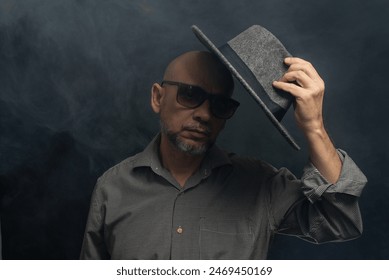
(314, 130)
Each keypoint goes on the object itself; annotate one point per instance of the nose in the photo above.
(203, 112)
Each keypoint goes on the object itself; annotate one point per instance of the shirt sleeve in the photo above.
(93, 246)
(314, 209)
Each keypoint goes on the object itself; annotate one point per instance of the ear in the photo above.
(156, 97)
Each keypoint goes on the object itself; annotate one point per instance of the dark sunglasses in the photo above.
(192, 97)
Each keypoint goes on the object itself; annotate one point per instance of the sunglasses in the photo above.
(191, 96)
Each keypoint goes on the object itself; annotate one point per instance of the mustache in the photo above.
(198, 128)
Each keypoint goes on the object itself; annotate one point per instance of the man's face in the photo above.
(191, 130)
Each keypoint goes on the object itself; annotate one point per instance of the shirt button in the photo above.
(179, 230)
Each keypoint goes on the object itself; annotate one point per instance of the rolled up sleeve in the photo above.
(326, 212)
(351, 180)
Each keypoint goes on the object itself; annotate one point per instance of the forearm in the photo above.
(323, 154)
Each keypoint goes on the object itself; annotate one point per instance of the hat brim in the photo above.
(208, 43)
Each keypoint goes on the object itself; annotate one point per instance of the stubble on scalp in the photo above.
(205, 66)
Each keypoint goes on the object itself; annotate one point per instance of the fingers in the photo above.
(293, 89)
(296, 64)
(303, 82)
(300, 77)
(295, 82)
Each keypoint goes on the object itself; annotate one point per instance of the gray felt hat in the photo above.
(255, 57)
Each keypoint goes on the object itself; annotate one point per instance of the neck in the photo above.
(180, 164)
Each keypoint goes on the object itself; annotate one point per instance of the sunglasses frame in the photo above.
(209, 96)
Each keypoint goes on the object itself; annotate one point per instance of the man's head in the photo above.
(190, 118)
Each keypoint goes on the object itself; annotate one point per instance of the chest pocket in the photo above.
(226, 239)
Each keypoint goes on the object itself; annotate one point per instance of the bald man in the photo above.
(184, 198)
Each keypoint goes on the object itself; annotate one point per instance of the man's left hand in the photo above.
(304, 83)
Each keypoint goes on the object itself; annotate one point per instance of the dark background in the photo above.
(75, 78)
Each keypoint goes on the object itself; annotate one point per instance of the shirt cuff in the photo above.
(351, 180)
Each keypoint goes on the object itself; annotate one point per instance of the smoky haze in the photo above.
(75, 79)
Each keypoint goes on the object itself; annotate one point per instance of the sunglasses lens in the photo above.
(190, 96)
(224, 108)
(193, 96)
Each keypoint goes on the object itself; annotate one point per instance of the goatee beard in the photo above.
(194, 150)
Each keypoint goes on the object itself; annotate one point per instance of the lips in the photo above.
(204, 132)
(197, 133)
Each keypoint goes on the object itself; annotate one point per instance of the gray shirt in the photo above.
(228, 209)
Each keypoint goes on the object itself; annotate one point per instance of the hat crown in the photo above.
(263, 54)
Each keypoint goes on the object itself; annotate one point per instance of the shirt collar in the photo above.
(149, 157)
(214, 158)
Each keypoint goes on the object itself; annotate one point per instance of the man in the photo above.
(184, 198)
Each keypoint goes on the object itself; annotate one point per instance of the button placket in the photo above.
(178, 227)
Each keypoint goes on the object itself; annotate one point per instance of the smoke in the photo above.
(75, 79)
